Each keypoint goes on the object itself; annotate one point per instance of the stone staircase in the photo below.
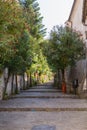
(43, 99)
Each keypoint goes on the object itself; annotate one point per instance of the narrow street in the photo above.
(43, 65)
(43, 108)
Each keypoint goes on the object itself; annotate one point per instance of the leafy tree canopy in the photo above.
(64, 48)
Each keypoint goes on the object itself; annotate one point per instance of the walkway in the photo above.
(43, 109)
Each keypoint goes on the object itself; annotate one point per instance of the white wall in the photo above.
(77, 19)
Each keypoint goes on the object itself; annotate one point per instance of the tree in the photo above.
(11, 26)
(65, 48)
(33, 18)
(22, 59)
(21, 31)
(36, 28)
(40, 67)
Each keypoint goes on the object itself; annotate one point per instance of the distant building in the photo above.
(78, 21)
(78, 17)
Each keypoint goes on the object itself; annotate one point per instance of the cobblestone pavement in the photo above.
(27, 120)
(67, 112)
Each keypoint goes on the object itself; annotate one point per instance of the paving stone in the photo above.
(43, 113)
(44, 127)
(28, 120)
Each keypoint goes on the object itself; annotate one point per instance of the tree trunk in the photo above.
(38, 78)
(63, 75)
(4, 90)
(27, 81)
(6, 79)
(30, 80)
(58, 79)
(63, 81)
(12, 87)
(16, 87)
(24, 82)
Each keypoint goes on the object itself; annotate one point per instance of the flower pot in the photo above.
(64, 87)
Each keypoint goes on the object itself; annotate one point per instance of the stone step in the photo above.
(42, 91)
(42, 87)
(44, 97)
(42, 109)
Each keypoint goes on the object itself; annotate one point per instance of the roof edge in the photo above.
(73, 6)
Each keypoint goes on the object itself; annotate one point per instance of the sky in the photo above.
(55, 12)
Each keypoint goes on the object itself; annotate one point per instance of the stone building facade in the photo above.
(78, 21)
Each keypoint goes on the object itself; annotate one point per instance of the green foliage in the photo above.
(33, 17)
(21, 60)
(65, 47)
(11, 26)
(37, 31)
(21, 32)
(40, 64)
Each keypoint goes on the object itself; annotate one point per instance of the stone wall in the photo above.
(20, 83)
(76, 72)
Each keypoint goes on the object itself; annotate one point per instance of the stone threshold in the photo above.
(41, 109)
